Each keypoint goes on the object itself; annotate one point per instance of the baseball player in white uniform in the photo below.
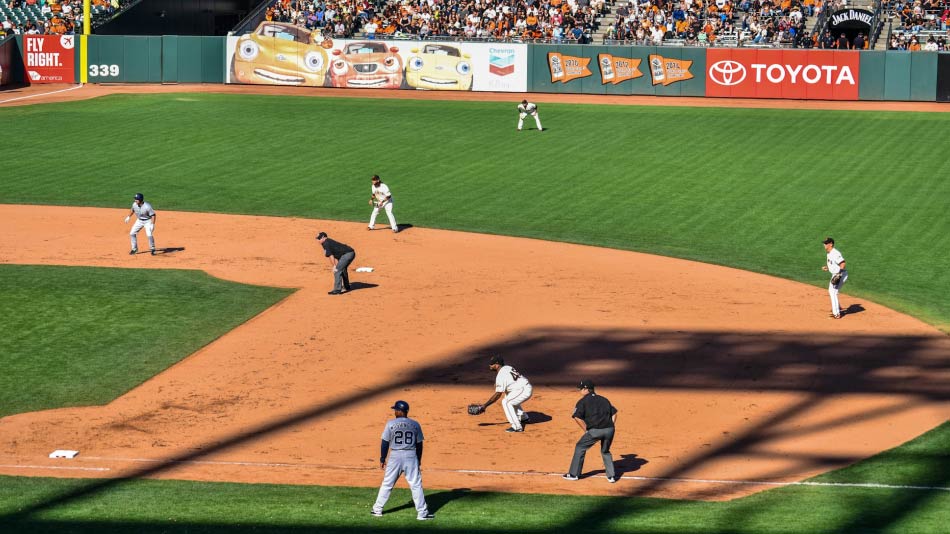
(526, 108)
(516, 388)
(835, 265)
(145, 218)
(402, 440)
(381, 197)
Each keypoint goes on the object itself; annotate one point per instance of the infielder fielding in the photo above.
(516, 388)
(834, 264)
(340, 256)
(597, 418)
(381, 197)
(145, 218)
(526, 108)
(402, 441)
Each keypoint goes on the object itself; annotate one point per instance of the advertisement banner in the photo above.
(796, 74)
(50, 58)
(284, 54)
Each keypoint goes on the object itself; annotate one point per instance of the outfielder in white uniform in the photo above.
(526, 108)
(835, 265)
(516, 388)
(145, 218)
(381, 197)
(402, 440)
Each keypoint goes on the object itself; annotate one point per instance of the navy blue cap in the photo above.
(402, 406)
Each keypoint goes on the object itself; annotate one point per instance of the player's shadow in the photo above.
(435, 500)
(853, 309)
(628, 463)
(169, 250)
(537, 418)
(354, 286)
(403, 227)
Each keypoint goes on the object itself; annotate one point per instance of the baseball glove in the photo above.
(476, 409)
(836, 279)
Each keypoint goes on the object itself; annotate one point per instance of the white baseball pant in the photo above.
(511, 404)
(833, 292)
(389, 213)
(537, 119)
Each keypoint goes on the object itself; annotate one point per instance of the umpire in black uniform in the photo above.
(340, 256)
(597, 417)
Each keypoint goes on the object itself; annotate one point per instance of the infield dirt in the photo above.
(722, 374)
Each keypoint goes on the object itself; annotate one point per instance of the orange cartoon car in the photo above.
(370, 64)
(278, 53)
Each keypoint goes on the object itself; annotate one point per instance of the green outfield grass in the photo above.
(29, 505)
(755, 189)
(79, 336)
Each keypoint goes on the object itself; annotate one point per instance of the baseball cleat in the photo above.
(513, 429)
(335, 292)
(375, 513)
(612, 480)
(133, 251)
(370, 228)
(425, 517)
(153, 252)
(569, 477)
(836, 316)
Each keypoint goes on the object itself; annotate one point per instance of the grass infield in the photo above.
(80, 336)
(754, 189)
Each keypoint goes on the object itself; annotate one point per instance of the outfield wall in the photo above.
(506, 67)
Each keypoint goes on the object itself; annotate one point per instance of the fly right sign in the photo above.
(791, 74)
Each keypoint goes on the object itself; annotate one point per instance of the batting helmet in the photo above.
(139, 196)
(402, 406)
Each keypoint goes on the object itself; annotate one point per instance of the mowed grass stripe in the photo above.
(78, 336)
(750, 188)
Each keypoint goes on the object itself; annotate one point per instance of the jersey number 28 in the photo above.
(404, 437)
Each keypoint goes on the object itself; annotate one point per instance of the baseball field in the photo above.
(671, 254)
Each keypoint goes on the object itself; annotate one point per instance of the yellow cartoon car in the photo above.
(439, 66)
(278, 53)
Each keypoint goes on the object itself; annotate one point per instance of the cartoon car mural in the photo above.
(278, 53)
(439, 66)
(367, 64)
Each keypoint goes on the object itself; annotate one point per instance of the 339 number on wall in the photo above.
(104, 70)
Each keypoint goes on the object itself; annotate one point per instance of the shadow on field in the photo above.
(817, 367)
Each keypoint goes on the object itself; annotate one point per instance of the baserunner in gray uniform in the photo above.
(144, 218)
(402, 441)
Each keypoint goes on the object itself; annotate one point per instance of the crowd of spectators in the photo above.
(55, 17)
(708, 22)
(919, 25)
(529, 20)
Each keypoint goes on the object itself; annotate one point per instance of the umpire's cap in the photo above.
(402, 406)
(139, 196)
(496, 359)
(321, 235)
(586, 384)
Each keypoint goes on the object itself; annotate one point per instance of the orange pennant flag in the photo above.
(668, 70)
(567, 68)
(615, 69)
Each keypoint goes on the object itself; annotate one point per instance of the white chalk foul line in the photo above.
(56, 467)
(870, 485)
(41, 94)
